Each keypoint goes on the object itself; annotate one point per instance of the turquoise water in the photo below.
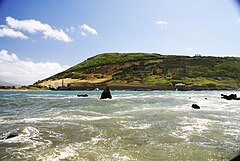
(144, 126)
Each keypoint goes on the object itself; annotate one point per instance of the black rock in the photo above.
(230, 97)
(82, 95)
(106, 94)
(12, 135)
(237, 158)
(195, 106)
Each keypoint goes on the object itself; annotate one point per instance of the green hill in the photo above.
(140, 69)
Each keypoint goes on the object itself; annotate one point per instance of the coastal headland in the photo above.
(149, 71)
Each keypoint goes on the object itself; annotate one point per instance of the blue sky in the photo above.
(54, 35)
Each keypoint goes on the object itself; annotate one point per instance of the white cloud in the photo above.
(162, 24)
(6, 32)
(17, 71)
(33, 26)
(88, 29)
(57, 34)
(4, 56)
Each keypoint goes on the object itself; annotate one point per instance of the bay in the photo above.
(134, 125)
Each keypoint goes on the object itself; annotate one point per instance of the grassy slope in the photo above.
(154, 69)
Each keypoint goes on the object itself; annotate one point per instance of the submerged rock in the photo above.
(195, 106)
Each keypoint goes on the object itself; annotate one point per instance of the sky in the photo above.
(41, 38)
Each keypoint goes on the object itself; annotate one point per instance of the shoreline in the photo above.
(144, 88)
(123, 88)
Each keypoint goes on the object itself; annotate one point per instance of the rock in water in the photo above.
(195, 106)
(82, 95)
(237, 158)
(106, 94)
(230, 97)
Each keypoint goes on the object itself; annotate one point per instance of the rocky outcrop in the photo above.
(195, 106)
(230, 97)
(106, 94)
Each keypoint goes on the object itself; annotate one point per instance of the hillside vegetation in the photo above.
(140, 69)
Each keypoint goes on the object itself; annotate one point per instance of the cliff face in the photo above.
(139, 69)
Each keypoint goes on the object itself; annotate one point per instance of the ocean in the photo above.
(134, 125)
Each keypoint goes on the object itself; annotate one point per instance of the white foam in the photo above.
(233, 132)
(138, 109)
(23, 136)
(192, 126)
(98, 139)
(35, 120)
(52, 96)
(134, 125)
(140, 126)
(121, 157)
(82, 111)
(143, 96)
(59, 154)
(83, 118)
(59, 118)
(29, 135)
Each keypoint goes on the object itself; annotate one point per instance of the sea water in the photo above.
(144, 126)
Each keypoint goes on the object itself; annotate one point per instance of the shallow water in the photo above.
(156, 125)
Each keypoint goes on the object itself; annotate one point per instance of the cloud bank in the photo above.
(15, 28)
(17, 71)
(31, 26)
